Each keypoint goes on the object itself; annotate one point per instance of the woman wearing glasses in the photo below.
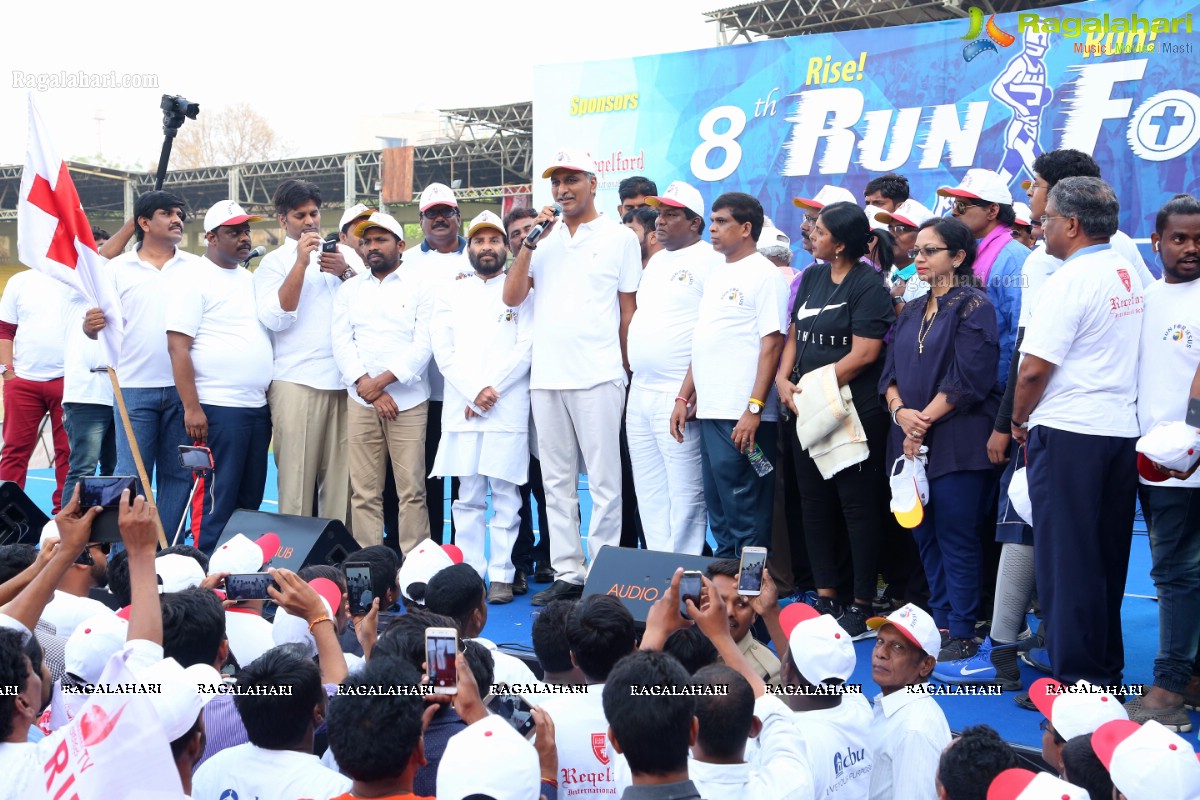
(841, 313)
(939, 384)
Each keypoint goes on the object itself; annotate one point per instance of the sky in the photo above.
(308, 71)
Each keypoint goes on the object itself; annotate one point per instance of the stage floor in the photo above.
(510, 625)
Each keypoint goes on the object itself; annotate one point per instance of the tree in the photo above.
(231, 135)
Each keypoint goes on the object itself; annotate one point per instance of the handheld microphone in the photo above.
(257, 252)
(536, 232)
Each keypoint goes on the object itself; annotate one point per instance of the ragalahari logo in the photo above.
(994, 32)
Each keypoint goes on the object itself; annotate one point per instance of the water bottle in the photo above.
(759, 461)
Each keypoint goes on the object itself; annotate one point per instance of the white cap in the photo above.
(1024, 784)
(910, 490)
(436, 194)
(92, 644)
(420, 565)
(354, 212)
(288, 629)
(1147, 762)
(226, 212)
(680, 195)
(240, 556)
(181, 698)
(48, 530)
(819, 646)
(486, 219)
(571, 159)
(773, 236)
(1175, 445)
(1023, 213)
(980, 184)
(916, 625)
(380, 220)
(1018, 495)
(910, 213)
(489, 758)
(178, 572)
(1075, 710)
(828, 194)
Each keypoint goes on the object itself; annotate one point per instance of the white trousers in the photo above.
(470, 526)
(666, 474)
(569, 422)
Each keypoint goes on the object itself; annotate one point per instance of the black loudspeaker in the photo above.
(637, 577)
(302, 540)
(21, 521)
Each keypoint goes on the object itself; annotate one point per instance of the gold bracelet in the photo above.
(322, 618)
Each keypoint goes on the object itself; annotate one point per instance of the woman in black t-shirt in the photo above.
(841, 314)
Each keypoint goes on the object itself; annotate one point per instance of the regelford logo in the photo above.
(995, 35)
(600, 748)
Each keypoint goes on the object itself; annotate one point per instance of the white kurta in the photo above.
(479, 341)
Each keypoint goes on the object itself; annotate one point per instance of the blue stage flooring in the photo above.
(511, 625)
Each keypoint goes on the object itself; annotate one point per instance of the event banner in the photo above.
(781, 118)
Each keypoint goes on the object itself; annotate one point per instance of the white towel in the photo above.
(827, 423)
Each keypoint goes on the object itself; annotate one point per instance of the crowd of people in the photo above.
(1009, 356)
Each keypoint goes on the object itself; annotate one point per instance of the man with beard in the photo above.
(484, 349)
(1170, 497)
(141, 280)
(441, 258)
(642, 221)
(294, 288)
(221, 357)
(381, 345)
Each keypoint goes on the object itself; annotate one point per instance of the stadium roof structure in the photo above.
(489, 157)
(775, 19)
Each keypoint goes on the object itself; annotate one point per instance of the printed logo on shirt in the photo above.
(1123, 274)
(229, 794)
(600, 748)
(843, 761)
(507, 315)
(1125, 306)
(735, 297)
(683, 276)
(1179, 333)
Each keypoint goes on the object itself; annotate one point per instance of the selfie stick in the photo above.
(191, 498)
(137, 455)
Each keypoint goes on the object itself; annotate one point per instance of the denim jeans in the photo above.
(157, 419)
(93, 440)
(1173, 516)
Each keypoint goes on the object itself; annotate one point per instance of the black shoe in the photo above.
(520, 584)
(543, 574)
(958, 650)
(1024, 702)
(560, 590)
(854, 622)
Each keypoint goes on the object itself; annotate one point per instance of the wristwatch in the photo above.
(753, 408)
(5, 368)
(1021, 426)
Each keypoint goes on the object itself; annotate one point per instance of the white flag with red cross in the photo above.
(54, 235)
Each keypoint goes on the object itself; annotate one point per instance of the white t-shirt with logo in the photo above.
(36, 304)
(231, 350)
(668, 305)
(577, 311)
(586, 762)
(252, 773)
(743, 302)
(837, 745)
(1041, 265)
(1092, 339)
(1170, 351)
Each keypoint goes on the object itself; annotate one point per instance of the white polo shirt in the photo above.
(908, 734)
(250, 772)
(668, 305)
(36, 304)
(1170, 352)
(577, 314)
(231, 352)
(384, 325)
(1092, 339)
(81, 356)
(440, 269)
(1040, 265)
(301, 338)
(743, 302)
(142, 289)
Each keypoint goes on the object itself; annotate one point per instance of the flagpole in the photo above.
(137, 455)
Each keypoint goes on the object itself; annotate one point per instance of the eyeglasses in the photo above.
(928, 251)
(1046, 217)
(897, 229)
(105, 547)
(444, 212)
(961, 206)
(809, 219)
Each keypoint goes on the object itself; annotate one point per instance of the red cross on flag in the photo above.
(54, 235)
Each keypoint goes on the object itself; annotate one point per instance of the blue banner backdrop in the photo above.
(783, 117)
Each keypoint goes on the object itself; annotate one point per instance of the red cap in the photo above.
(452, 550)
(328, 590)
(269, 544)
(1150, 472)
(795, 613)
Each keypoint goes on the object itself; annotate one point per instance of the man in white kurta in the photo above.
(484, 347)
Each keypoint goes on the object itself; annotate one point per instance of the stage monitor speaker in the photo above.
(302, 540)
(637, 577)
(21, 521)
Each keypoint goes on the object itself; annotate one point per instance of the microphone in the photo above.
(257, 252)
(536, 232)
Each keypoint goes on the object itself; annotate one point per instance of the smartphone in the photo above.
(515, 711)
(358, 587)
(754, 559)
(197, 459)
(1193, 412)
(441, 648)
(689, 586)
(105, 491)
(249, 586)
(328, 246)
